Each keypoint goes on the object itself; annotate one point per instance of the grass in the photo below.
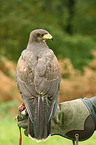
(9, 133)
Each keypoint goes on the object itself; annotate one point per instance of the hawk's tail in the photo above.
(39, 132)
(39, 126)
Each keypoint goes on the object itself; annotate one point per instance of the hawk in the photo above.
(38, 81)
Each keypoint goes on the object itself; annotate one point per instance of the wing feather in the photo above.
(38, 76)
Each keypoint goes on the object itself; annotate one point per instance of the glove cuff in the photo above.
(91, 106)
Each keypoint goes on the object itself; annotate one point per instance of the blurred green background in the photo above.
(72, 23)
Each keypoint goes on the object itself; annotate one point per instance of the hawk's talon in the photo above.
(21, 108)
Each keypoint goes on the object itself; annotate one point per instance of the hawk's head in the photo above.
(39, 35)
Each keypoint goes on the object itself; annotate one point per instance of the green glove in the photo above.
(22, 122)
(71, 118)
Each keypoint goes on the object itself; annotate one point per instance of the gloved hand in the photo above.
(71, 118)
(22, 121)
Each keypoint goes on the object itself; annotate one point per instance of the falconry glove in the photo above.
(76, 117)
(22, 122)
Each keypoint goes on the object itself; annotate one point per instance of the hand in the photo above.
(22, 118)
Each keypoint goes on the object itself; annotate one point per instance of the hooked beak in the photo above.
(47, 36)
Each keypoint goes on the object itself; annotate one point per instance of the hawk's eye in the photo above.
(42, 34)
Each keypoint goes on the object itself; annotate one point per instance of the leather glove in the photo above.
(71, 118)
(22, 122)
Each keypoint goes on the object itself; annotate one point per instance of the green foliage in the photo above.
(18, 18)
(85, 17)
(77, 48)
